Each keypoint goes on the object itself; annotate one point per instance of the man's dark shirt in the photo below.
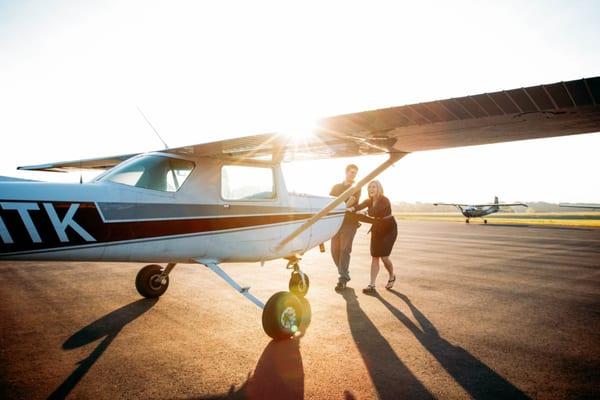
(340, 188)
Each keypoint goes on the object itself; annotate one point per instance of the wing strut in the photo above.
(244, 291)
(340, 199)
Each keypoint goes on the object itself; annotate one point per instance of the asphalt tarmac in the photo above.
(478, 311)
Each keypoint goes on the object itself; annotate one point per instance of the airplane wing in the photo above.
(91, 163)
(500, 205)
(13, 179)
(563, 108)
(588, 206)
(557, 109)
(481, 205)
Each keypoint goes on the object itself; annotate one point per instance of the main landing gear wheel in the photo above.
(149, 282)
(297, 285)
(282, 315)
(485, 221)
(467, 220)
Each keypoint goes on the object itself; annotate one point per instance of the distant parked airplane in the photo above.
(588, 206)
(479, 210)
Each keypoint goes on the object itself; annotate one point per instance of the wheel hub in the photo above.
(288, 319)
(155, 282)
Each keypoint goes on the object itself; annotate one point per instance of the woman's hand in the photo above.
(351, 209)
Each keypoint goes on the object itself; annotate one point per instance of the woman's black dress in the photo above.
(384, 230)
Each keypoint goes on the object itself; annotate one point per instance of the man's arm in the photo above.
(334, 191)
(352, 200)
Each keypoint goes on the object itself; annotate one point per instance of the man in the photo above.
(341, 243)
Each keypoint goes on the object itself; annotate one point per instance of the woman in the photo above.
(383, 233)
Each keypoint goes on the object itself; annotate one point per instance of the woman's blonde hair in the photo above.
(379, 187)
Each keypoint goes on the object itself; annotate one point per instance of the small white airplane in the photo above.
(480, 210)
(226, 201)
(588, 206)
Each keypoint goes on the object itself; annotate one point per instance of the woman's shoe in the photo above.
(340, 287)
(390, 283)
(370, 289)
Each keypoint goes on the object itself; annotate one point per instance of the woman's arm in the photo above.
(360, 206)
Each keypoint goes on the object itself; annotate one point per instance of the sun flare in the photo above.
(299, 131)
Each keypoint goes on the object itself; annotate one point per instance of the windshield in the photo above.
(151, 172)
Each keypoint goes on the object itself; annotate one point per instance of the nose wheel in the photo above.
(299, 282)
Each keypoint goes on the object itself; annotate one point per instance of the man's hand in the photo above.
(351, 201)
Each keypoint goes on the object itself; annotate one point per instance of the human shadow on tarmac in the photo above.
(107, 327)
(279, 374)
(479, 380)
(392, 379)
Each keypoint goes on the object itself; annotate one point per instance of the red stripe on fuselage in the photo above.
(88, 217)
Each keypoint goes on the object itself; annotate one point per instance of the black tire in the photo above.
(467, 221)
(485, 221)
(282, 316)
(306, 315)
(147, 284)
(297, 287)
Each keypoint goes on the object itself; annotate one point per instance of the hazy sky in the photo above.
(73, 72)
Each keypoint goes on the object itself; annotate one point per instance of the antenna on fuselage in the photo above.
(151, 126)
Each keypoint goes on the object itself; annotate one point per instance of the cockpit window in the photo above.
(151, 172)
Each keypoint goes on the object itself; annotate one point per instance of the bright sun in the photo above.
(299, 131)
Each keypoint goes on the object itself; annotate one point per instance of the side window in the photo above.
(152, 172)
(239, 182)
(179, 170)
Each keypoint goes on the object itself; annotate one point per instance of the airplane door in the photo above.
(250, 211)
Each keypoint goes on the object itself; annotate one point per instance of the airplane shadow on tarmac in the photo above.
(279, 374)
(478, 380)
(107, 327)
(391, 378)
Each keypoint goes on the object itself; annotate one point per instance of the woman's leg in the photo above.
(374, 269)
(387, 263)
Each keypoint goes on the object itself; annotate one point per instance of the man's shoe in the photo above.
(370, 289)
(340, 286)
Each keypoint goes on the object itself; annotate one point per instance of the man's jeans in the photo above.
(341, 247)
